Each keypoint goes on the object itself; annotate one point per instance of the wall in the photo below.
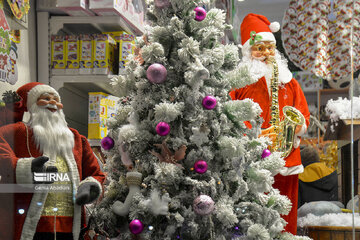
(26, 62)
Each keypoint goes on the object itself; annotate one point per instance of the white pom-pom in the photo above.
(274, 26)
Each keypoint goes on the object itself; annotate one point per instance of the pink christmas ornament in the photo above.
(107, 143)
(203, 205)
(200, 14)
(201, 166)
(162, 128)
(265, 153)
(156, 73)
(162, 3)
(209, 102)
(136, 226)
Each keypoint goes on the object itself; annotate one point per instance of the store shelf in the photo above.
(93, 24)
(87, 83)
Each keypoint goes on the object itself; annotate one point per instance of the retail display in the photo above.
(198, 161)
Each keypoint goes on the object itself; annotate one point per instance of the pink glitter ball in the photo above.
(107, 143)
(156, 73)
(163, 128)
(200, 14)
(201, 166)
(203, 205)
(136, 226)
(209, 102)
(265, 153)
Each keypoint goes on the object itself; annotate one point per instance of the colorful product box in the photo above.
(86, 54)
(126, 43)
(102, 107)
(75, 7)
(58, 55)
(131, 11)
(104, 54)
(72, 44)
(105, 7)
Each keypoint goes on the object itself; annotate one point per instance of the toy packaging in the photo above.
(105, 7)
(131, 11)
(86, 54)
(58, 55)
(72, 54)
(102, 106)
(75, 7)
(126, 46)
(104, 54)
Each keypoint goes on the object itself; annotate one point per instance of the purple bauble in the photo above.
(162, 128)
(209, 102)
(203, 205)
(201, 166)
(200, 14)
(107, 143)
(136, 226)
(265, 153)
(156, 73)
(162, 3)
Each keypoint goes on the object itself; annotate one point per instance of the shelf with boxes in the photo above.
(73, 86)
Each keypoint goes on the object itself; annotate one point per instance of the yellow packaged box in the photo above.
(58, 55)
(104, 54)
(126, 43)
(86, 54)
(102, 106)
(72, 54)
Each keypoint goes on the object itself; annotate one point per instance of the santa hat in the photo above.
(30, 93)
(257, 28)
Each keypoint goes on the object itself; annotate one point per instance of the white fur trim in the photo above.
(23, 171)
(33, 215)
(92, 179)
(37, 91)
(274, 26)
(286, 171)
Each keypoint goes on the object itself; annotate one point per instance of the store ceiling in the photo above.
(272, 9)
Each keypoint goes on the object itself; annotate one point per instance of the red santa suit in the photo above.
(289, 94)
(17, 150)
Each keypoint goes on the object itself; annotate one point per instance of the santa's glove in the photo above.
(87, 193)
(38, 168)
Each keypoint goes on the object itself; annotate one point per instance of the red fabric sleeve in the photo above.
(90, 165)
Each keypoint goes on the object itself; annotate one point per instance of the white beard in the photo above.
(52, 136)
(258, 69)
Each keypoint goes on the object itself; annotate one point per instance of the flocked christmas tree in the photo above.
(181, 163)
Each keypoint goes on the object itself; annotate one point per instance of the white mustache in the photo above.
(260, 58)
(51, 106)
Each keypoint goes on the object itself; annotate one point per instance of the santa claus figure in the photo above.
(259, 58)
(45, 146)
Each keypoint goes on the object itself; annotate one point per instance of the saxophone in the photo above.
(284, 129)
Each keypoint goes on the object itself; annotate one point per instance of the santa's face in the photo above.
(263, 51)
(50, 102)
(51, 133)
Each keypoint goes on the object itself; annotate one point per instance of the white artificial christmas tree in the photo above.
(183, 164)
